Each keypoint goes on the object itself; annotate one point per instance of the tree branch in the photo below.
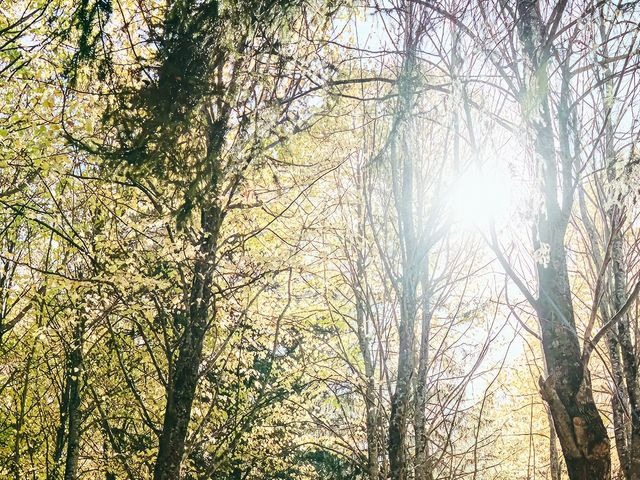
(589, 345)
(495, 246)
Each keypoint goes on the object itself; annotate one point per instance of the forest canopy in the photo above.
(309, 239)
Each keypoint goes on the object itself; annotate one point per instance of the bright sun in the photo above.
(481, 195)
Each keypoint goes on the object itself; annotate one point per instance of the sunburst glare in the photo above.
(482, 194)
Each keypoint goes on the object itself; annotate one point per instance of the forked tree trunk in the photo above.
(398, 420)
(567, 390)
(402, 173)
(404, 161)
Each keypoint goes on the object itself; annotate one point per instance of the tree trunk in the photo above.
(581, 431)
(61, 431)
(629, 362)
(73, 413)
(370, 402)
(619, 402)
(402, 173)
(621, 348)
(360, 292)
(178, 410)
(619, 397)
(20, 420)
(400, 398)
(184, 377)
(422, 461)
(403, 186)
(554, 459)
